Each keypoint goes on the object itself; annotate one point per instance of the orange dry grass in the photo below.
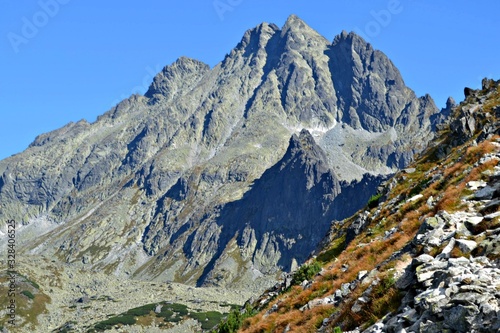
(347, 318)
(286, 319)
(263, 326)
(483, 148)
(320, 288)
(307, 321)
(297, 321)
(369, 256)
(250, 324)
(476, 173)
(411, 222)
(455, 169)
(433, 188)
(257, 324)
(398, 241)
(451, 198)
(314, 318)
(301, 299)
(457, 253)
(385, 303)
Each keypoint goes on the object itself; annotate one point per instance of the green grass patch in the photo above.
(181, 309)
(306, 272)
(165, 313)
(33, 283)
(334, 251)
(142, 310)
(373, 201)
(114, 321)
(173, 313)
(28, 294)
(170, 313)
(208, 320)
(234, 321)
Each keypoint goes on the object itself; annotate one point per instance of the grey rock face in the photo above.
(443, 293)
(176, 80)
(177, 185)
(280, 219)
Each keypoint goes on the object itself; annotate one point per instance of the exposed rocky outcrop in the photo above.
(279, 221)
(452, 293)
(471, 117)
(423, 256)
(449, 293)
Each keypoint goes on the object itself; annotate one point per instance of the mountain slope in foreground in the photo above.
(423, 256)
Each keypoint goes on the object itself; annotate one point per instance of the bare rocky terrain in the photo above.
(424, 253)
(82, 298)
(214, 182)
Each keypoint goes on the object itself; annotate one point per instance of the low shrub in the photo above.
(373, 201)
(28, 294)
(334, 251)
(306, 272)
(142, 310)
(181, 309)
(165, 313)
(111, 322)
(207, 319)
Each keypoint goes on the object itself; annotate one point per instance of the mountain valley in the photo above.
(298, 169)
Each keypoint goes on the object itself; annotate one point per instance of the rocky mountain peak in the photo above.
(207, 175)
(349, 37)
(294, 20)
(294, 24)
(309, 153)
(177, 78)
(256, 38)
(365, 99)
(297, 35)
(445, 112)
(450, 102)
(303, 140)
(309, 156)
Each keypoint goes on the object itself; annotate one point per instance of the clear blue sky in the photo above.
(64, 60)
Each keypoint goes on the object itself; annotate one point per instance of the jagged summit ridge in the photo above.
(177, 78)
(151, 189)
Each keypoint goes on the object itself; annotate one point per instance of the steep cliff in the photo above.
(422, 256)
(198, 180)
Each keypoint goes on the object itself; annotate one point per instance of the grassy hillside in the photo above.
(440, 208)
